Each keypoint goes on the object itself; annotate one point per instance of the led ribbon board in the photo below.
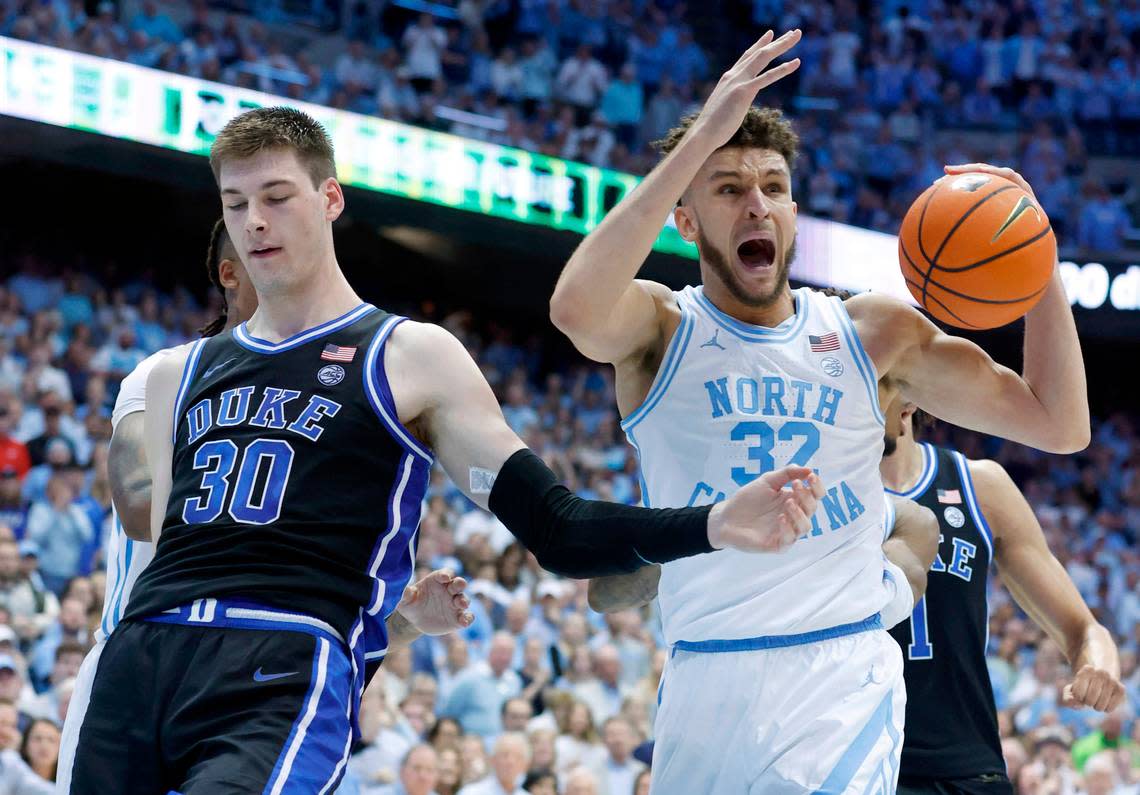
(121, 100)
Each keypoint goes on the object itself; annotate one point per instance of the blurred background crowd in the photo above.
(542, 689)
(540, 686)
(888, 91)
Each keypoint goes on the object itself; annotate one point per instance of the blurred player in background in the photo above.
(782, 679)
(289, 461)
(952, 744)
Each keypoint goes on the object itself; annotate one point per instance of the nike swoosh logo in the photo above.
(1023, 204)
(209, 372)
(258, 676)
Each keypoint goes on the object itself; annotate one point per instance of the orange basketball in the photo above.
(976, 250)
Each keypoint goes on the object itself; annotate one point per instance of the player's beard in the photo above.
(717, 260)
(890, 444)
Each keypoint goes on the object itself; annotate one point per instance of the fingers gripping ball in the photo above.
(976, 250)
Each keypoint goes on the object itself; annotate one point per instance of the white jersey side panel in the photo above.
(126, 558)
(732, 401)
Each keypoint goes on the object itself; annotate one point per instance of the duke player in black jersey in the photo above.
(289, 461)
(951, 743)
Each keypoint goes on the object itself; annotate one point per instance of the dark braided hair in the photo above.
(218, 240)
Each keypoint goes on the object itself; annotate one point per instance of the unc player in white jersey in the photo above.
(781, 678)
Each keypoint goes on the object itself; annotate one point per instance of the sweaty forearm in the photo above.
(1054, 368)
(624, 591)
(584, 538)
(1097, 648)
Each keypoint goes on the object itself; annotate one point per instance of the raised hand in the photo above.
(436, 605)
(734, 94)
(997, 171)
(764, 516)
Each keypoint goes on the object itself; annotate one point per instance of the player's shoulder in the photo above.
(877, 308)
(132, 391)
(992, 484)
(417, 338)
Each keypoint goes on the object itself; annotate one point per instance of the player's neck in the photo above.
(287, 314)
(902, 469)
(769, 315)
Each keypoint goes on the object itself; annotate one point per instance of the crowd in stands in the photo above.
(540, 689)
(598, 80)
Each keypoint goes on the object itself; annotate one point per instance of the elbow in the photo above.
(565, 311)
(1072, 439)
(594, 598)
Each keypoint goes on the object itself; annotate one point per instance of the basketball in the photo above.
(976, 250)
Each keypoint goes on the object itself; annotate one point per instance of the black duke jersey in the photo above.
(951, 722)
(294, 484)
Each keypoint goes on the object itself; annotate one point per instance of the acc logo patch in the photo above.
(832, 366)
(954, 517)
(330, 374)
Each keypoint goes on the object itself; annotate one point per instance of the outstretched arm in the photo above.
(597, 303)
(129, 476)
(453, 408)
(1046, 406)
(1041, 586)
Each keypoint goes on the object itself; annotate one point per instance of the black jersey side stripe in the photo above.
(380, 394)
(187, 376)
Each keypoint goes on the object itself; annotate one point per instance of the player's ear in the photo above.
(227, 274)
(686, 221)
(334, 199)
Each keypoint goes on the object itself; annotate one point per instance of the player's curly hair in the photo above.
(219, 238)
(276, 128)
(762, 128)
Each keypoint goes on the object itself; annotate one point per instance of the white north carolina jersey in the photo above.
(125, 557)
(732, 401)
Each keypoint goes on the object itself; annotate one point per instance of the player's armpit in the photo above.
(161, 394)
(129, 476)
(955, 380)
(624, 591)
(1039, 583)
(913, 542)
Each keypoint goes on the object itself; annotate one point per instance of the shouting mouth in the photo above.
(757, 253)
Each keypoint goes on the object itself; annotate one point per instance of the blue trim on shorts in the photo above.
(848, 764)
(288, 622)
(781, 641)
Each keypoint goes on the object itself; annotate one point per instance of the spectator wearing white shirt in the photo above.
(424, 43)
(507, 75)
(509, 762)
(355, 68)
(581, 82)
(47, 378)
(617, 770)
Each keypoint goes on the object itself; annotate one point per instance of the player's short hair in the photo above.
(69, 647)
(762, 128)
(257, 130)
(921, 421)
(219, 237)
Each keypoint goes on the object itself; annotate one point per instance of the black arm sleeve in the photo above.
(585, 538)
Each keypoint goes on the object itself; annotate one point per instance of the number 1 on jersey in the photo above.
(920, 647)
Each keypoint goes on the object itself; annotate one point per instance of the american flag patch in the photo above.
(951, 496)
(337, 353)
(828, 342)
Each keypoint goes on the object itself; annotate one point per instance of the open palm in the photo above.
(437, 604)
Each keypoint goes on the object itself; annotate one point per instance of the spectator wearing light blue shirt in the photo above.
(1103, 220)
(477, 698)
(621, 105)
(156, 24)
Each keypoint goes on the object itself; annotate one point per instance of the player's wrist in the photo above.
(716, 524)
